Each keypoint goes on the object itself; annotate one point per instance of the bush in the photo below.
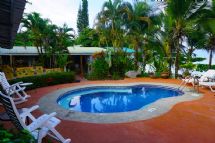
(100, 69)
(120, 65)
(15, 137)
(143, 74)
(47, 79)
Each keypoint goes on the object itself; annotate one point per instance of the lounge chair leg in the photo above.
(59, 136)
(211, 89)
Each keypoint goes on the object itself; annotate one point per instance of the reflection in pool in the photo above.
(112, 99)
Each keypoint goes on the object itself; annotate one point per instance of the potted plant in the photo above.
(164, 70)
(165, 74)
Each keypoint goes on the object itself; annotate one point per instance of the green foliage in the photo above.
(120, 64)
(203, 67)
(83, 18)
(182, 20)
(100, 69)
(85, 13)
(23, 39)
(143, 74)
(15, 137)
(62, 60)
(88, 38)
(79, 20)
(188, 66)
(109, 23)
(49, 39)
(47, 79)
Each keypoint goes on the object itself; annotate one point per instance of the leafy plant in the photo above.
(10, 136)
(100, 68)
(62, 60)
(120, 63)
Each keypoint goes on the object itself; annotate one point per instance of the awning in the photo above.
(11, 12)
(32, 51)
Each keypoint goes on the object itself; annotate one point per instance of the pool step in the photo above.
(152, 109)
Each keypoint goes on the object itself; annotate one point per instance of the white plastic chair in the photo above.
(17, 91)
(208, 84)
(39, 127)
(204, 77)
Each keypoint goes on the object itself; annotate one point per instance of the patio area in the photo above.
(192, 121)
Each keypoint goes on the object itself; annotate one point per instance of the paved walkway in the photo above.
(186, 122)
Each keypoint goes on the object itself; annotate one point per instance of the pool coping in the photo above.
(48, 104)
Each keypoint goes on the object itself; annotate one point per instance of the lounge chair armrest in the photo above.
(19, 82)
(31, 109)
(41, 121)
(16, 86)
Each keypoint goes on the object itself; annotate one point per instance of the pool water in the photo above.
(114, 99)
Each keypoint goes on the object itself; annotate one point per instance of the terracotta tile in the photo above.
(187, 122)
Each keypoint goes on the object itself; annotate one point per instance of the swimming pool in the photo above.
(114, 99)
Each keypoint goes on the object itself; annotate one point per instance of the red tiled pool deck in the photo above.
(186, 122)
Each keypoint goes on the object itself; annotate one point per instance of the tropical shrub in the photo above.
(11, 136)
(120, 64)
(100, 68)
(47, 79)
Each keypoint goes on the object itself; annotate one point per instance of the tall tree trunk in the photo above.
(177, 59)
(136, 58)
(170, 65)
(144, 61)
(210, 59)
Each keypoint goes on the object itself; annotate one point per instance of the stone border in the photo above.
(48, 104)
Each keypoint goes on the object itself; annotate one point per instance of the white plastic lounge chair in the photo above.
(39, 127)
(205, 77)
(208, 84)
(17, 91)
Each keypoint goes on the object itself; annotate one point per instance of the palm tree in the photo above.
(58, 39)
(109, 19)
(36, 25)
(207, 22)
(65, 37)
(136, 24)
(182, 14)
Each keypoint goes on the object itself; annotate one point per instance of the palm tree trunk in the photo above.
(210, 59)
(170, 65)
(136, 58)
(177, 59)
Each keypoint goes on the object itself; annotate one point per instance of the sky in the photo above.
(65, 11)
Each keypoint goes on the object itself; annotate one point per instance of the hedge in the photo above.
(46, 79)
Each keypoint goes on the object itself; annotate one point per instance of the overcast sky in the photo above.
(65, 11)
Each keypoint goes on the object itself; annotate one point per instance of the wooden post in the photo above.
(11, 61)
(81, 65)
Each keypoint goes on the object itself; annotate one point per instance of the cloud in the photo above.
(58, 11)
(63, 11)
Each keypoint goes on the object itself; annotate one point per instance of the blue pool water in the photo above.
(114, 99)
